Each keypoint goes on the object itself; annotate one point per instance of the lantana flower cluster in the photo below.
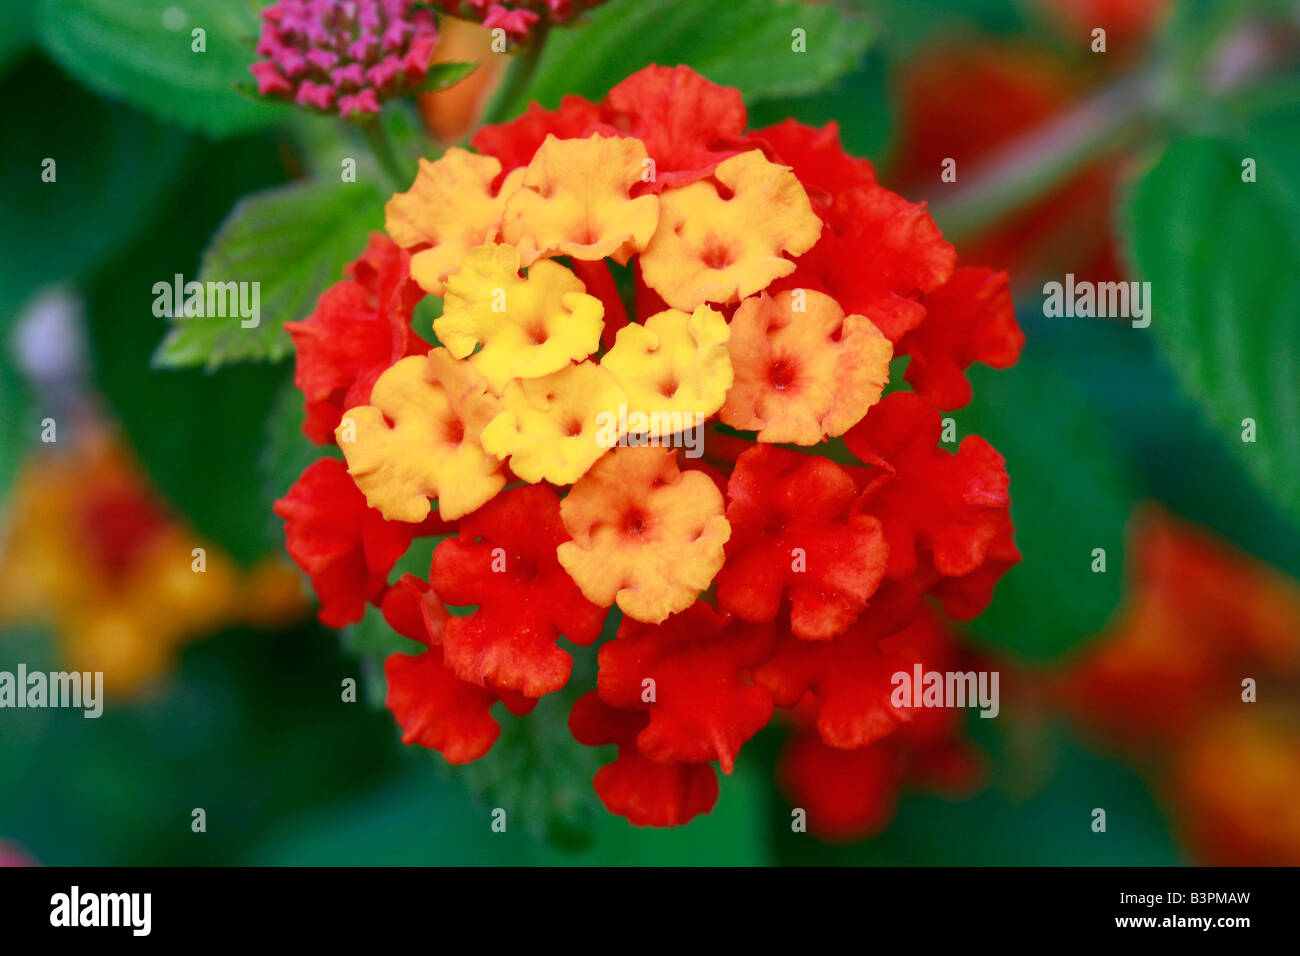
(611, 276)
(343, 55)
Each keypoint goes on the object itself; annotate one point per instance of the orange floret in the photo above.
(449, 209)
(675, 369)
(575, 201)
(552, 427)
(419, 438)
(529, 326)
(1234, 784)
(644, 533)
(802, 375)
(714, 249)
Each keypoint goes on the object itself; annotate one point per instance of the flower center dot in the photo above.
(781, 374)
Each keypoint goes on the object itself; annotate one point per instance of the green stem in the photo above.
(1204, 26)
(391, 165)
(1032, 165)
(1039, 161)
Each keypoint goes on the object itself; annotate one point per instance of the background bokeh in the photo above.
(1122, 688)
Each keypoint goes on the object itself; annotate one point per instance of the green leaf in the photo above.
(1120, 369)
(747, 44)
(112, 167)
(539, 774)
(1070, 494)
(1221, 255)
(15, 30)
(443, 75)
(141, 51)
(293, 241)
(860, 103)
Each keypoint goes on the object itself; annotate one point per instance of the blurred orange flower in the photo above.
(450, 114)
(966, 102)
(1205, 631)
(90, 551)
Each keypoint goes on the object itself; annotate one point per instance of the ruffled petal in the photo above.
(346, 548)
(451, 208)
(412, 609)
(878, 252)
(575, 200)
(504, 563)
(674, 367)
(855, 750)
(556, 427)
(361, 325)
(646, 792)
(948, 507)
(420, 439)
(516, 142)
(804, 370)
(688, 675)
(438, 711)
(512, 326)
(965, 596)
(793, 536)
(688, 125)
(644, 533)
(817, 158)
(714, 249)
(851, 678)
(847, 794)
(970, 318)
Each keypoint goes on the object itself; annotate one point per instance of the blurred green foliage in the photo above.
(199, 435)
(116, 171)
(183, 62)
(1071, 494)
(252, 730)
